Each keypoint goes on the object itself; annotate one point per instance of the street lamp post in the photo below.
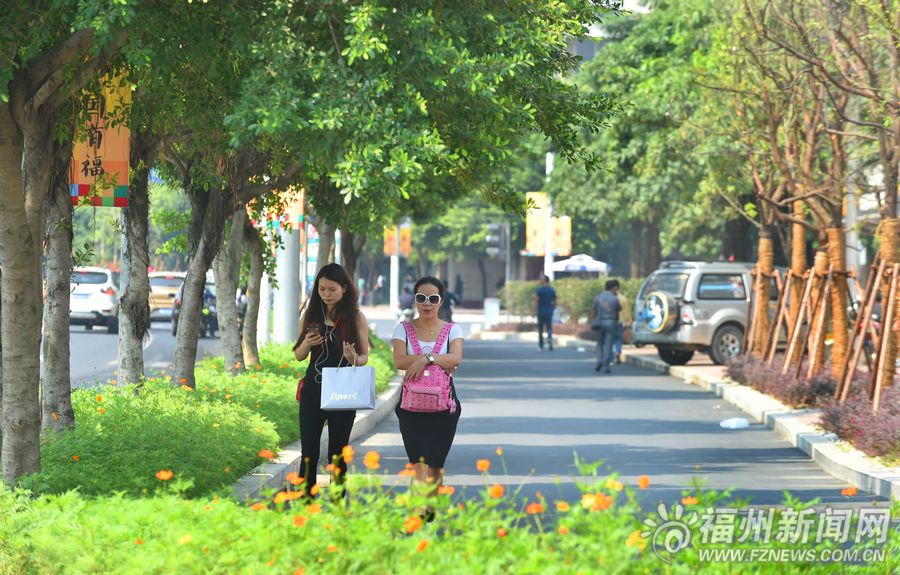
(548, 237)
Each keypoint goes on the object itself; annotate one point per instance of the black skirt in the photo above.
(428, 436)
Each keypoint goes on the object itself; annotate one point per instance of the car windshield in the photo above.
(89, 277)
(671, 283)
(166, 281)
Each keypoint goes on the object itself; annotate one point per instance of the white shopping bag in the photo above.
(347, 388)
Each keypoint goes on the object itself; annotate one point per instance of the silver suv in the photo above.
(684, 307)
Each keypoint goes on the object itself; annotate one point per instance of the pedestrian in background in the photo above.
(448, 300)
(604, 317)
(625, 319)
(544, 305)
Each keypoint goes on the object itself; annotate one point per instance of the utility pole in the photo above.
(548, 238)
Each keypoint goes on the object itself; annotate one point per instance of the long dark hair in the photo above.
(345, 310)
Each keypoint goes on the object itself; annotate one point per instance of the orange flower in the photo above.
(331, 548)
(372, 460)
(55, 416)
(258, 506)
(644, 481)
(314, 508)
(849, 491)
(300, 520)
(412, 523)
(314, 490)
(596, 501)
(534, 508)
(635, 539)
(75, 458)
(280, 497)
(501, 533)
(237, 365)
(138, 541)
(266, 454)
(499, 451)
(101, 411)
(406, 473)
(422, 546)
(300, 570)
(227, 396)
(446, 490)
(182, 380)
(99, 398)
(329, 468)
(347, 453)
(482, 465)
(563, 530)
(496, 491)
(164, 474)
(690, 500)
(562, 506)
(258, 367)
(291, 477)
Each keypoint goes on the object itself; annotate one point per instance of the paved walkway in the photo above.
(542, 408)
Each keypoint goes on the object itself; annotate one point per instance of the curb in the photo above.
(272, 475)
(799, 427)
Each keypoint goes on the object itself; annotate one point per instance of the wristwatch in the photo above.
(430, 359)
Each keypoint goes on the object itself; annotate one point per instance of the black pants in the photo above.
(312, 421)
(545, 322)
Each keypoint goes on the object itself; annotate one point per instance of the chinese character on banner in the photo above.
(100, 157)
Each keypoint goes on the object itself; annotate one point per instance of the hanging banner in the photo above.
(99, 170)
(561, 242)
(390, 243)
(536, 224)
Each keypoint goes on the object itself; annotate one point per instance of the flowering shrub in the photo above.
(875, 434)
(373, 530)
(787, 388)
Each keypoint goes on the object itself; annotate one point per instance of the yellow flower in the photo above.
(187, 388)
(635, 539)
(185, 539)
(99, 398)
(613, 485)
(499, 451)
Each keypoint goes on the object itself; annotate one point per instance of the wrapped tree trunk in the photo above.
(798, 264)
(56, 382)
(326, 244)
(226, 267)
(816, 350)
(134, 305)
(765, 267)
(840, 322)
(889, 236)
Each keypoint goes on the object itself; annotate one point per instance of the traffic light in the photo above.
(494, 239)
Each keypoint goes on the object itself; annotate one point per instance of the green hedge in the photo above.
(209, 436)
(374, 531)
(574, 295)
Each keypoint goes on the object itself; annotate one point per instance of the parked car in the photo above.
(163, 289)
(93, 298)
(685, 307)
(209, 321)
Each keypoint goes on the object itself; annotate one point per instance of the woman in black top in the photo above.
(333, 331)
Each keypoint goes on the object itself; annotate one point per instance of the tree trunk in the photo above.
(208, 215)
(56, 383)
(653, 254)
(840, 323)
(326, 244)
(25, 160)
(251, 316)
(351, 247)
(798, 266)
(134, 305)
(226, 267)
(484, 287)
(762, 293)
(889, 236)
(637, 248)
(816, 350)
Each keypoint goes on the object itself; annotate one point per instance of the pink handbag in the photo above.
(429, 392)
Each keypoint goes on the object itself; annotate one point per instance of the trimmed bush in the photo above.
(518, 296)
(875, 434)
(574, 295)
(788, 388)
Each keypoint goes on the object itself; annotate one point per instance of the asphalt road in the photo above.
(94, 354)
(542, 408)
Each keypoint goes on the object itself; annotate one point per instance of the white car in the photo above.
(93, 298)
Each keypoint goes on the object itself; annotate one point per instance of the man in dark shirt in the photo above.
(604, 318)
(544, 304)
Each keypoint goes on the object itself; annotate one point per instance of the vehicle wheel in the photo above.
(174, 326)
(88, 327)
(674, 356)
(112, 325)
(726, 344)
